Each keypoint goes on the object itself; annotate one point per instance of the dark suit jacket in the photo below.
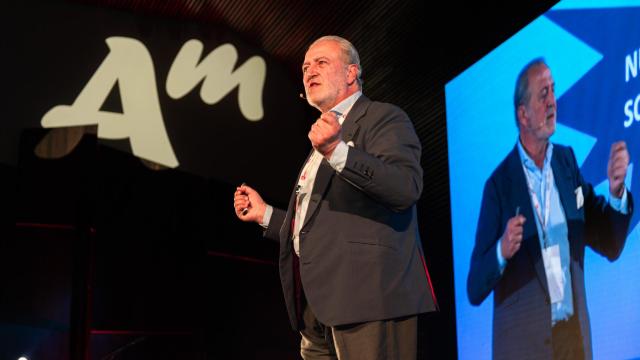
(360, 253)
(522, 313)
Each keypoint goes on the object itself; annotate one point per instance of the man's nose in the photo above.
(312, 70)
(551, 101)
(310, 75)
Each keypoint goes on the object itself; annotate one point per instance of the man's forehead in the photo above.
(540, 73)
(324, 48)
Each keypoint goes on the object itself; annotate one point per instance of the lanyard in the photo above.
(544, 220)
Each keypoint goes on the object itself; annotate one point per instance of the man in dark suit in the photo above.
(351, 262)
(537, 216)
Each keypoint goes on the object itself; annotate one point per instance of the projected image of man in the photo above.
(537, 216)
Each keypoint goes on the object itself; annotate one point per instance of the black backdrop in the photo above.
(156, 257)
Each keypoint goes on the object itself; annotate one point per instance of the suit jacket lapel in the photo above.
(562, 177)
(350, 129)
(562, 174)
(350, 126)
(285, 230)
(521, 197)
(323, 177)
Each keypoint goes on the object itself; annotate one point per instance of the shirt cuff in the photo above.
(620, 204)
(339, 157)
(267, 216)
(502, 262)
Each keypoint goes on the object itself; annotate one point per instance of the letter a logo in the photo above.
(129, 65)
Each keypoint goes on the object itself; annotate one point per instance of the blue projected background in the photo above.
(592, 48)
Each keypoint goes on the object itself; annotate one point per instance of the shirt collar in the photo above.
(343, 107)
(528, 162)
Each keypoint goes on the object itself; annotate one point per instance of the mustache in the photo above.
(551, 110)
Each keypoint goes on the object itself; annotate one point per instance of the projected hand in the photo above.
(617, 168)
(325, 134)
(248, 204)
(512, 237)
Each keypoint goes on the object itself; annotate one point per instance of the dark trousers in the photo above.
(567, 340)
(394, 339)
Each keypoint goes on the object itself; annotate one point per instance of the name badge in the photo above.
(553, 269)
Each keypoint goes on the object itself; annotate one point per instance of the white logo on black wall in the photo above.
(129, 64)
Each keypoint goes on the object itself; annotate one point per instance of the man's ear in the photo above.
(522, 115)
(352, 73)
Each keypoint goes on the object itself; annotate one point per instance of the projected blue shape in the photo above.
(599, 273)
(580, 142)
(594, 4)
(606, 84)
(481, 131)
(596, 105)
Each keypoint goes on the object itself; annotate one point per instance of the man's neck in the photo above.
(326, 108)
(536, 149)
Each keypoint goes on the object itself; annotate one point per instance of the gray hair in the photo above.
(522, 95)
(348, 50)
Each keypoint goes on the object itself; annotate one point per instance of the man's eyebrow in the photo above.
(547, 86)
(316, 59)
